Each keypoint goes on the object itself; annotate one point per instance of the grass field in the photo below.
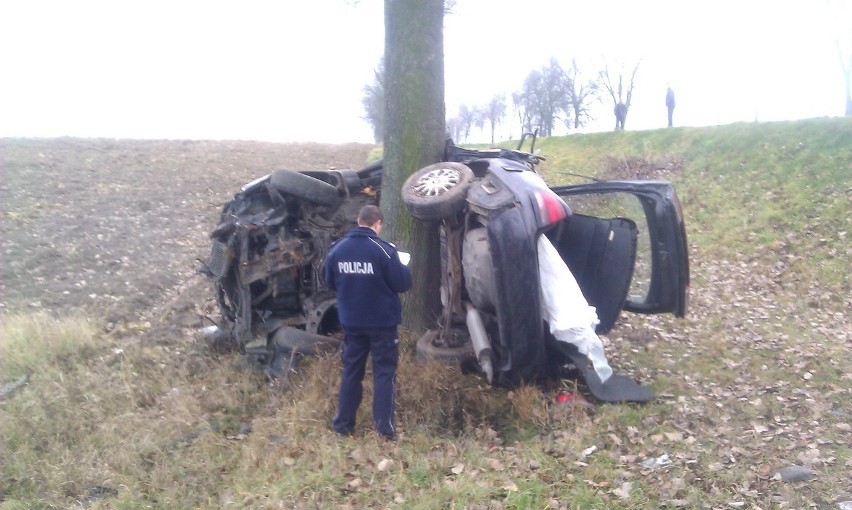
(136, 410)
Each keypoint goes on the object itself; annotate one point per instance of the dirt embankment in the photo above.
(110, 228)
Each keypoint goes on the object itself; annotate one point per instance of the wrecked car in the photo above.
(623, 245)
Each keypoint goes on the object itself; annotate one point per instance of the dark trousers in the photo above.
(383, 346)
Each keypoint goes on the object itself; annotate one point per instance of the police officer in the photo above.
(367, 275)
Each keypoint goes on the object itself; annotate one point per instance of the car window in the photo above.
(621, 205)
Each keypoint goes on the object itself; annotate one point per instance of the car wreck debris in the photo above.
(530, 274)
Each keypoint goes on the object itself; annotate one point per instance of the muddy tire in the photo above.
(304, 186)
(437, 191)
(426, 349)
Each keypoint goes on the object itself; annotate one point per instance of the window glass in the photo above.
(622, 205)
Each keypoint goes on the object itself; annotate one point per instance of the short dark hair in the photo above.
(369, 215)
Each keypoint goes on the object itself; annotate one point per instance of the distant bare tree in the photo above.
(374, 103)
(466, 118)
(523, 108)
(493, 113)
(545, 96)
(454, 128)
(621, 98)
(582, 93)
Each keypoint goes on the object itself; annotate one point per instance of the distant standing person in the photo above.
(366, 273)
(620, 116)
(670, 104)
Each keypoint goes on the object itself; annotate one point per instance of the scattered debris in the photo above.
(655, 462)
(795, 473)
(588, 451)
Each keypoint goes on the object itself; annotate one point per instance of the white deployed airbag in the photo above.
(566, 310)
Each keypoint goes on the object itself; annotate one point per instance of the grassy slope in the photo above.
(744, 187)
(755, 379)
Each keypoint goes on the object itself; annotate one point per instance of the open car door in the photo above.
(634, 254)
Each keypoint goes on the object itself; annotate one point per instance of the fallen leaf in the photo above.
(510, 487)
(760, 429)
(674, 436)
(384, 464)
(623, 492)
(457, 469)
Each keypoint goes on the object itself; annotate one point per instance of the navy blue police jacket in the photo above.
(367, 275)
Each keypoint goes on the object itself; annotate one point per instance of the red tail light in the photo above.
(550, 208)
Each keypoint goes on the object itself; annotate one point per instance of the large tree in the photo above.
(414, 138)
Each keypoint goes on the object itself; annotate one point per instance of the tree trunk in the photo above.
(414, 138)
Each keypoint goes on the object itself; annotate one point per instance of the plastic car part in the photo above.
(478, 270)
(618, 388)
(437, 191)
(304, 186)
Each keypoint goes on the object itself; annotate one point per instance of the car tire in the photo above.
(304, 186)
(426, 349)
(437, 191)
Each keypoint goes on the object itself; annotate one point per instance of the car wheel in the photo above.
(304, 186)
(426, 349)
(437, 191)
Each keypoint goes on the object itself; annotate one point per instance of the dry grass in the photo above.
(139, 412)
(164, 422)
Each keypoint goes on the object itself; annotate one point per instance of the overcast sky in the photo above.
(282, 70)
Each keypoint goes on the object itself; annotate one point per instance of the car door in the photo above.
(626, 242)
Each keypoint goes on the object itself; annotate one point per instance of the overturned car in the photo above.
(622, 244)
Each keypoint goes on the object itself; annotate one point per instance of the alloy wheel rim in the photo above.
(437, 182)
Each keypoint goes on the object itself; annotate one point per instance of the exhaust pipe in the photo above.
(481, 343)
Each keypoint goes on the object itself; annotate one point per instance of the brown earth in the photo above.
(113, 228)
